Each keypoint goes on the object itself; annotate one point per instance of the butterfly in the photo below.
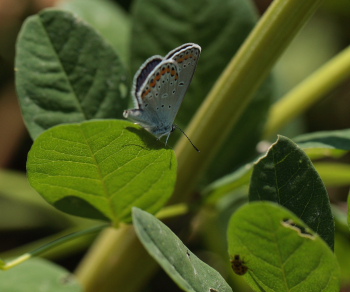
(159, 88)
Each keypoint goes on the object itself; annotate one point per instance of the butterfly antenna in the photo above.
(187, 138)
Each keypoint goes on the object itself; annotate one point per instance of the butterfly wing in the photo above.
(186, 57)
(157, 96)
(141, 75)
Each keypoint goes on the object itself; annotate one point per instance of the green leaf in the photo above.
(286, 176)
(100, 169)
(66, 73)
(325, 143)
(115, 24)
(38, 275)
(187, 270)
(336, 139)
(280, 251)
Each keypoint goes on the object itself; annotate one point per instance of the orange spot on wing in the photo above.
(184, 58)
(145, 93)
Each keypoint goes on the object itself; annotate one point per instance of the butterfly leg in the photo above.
(166, 141)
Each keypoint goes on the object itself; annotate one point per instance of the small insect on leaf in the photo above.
(238, 265)
(213, 290)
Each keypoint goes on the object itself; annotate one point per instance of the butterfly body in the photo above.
(159, 88)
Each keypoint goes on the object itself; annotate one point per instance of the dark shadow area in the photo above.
(150, 141)
(79, 207)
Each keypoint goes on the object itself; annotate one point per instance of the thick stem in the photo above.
(308, 92)
(116, 262)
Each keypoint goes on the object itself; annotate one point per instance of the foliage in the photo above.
(73, 84)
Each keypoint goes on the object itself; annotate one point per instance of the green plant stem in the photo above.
(333, 174)
(308, 92)
(172, 211)
(116, 262)
(235, 88)
(66, 248)
(18, 260)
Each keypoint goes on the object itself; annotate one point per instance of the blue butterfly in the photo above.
(159, 88)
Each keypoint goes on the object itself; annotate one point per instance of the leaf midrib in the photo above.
(63, 70)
